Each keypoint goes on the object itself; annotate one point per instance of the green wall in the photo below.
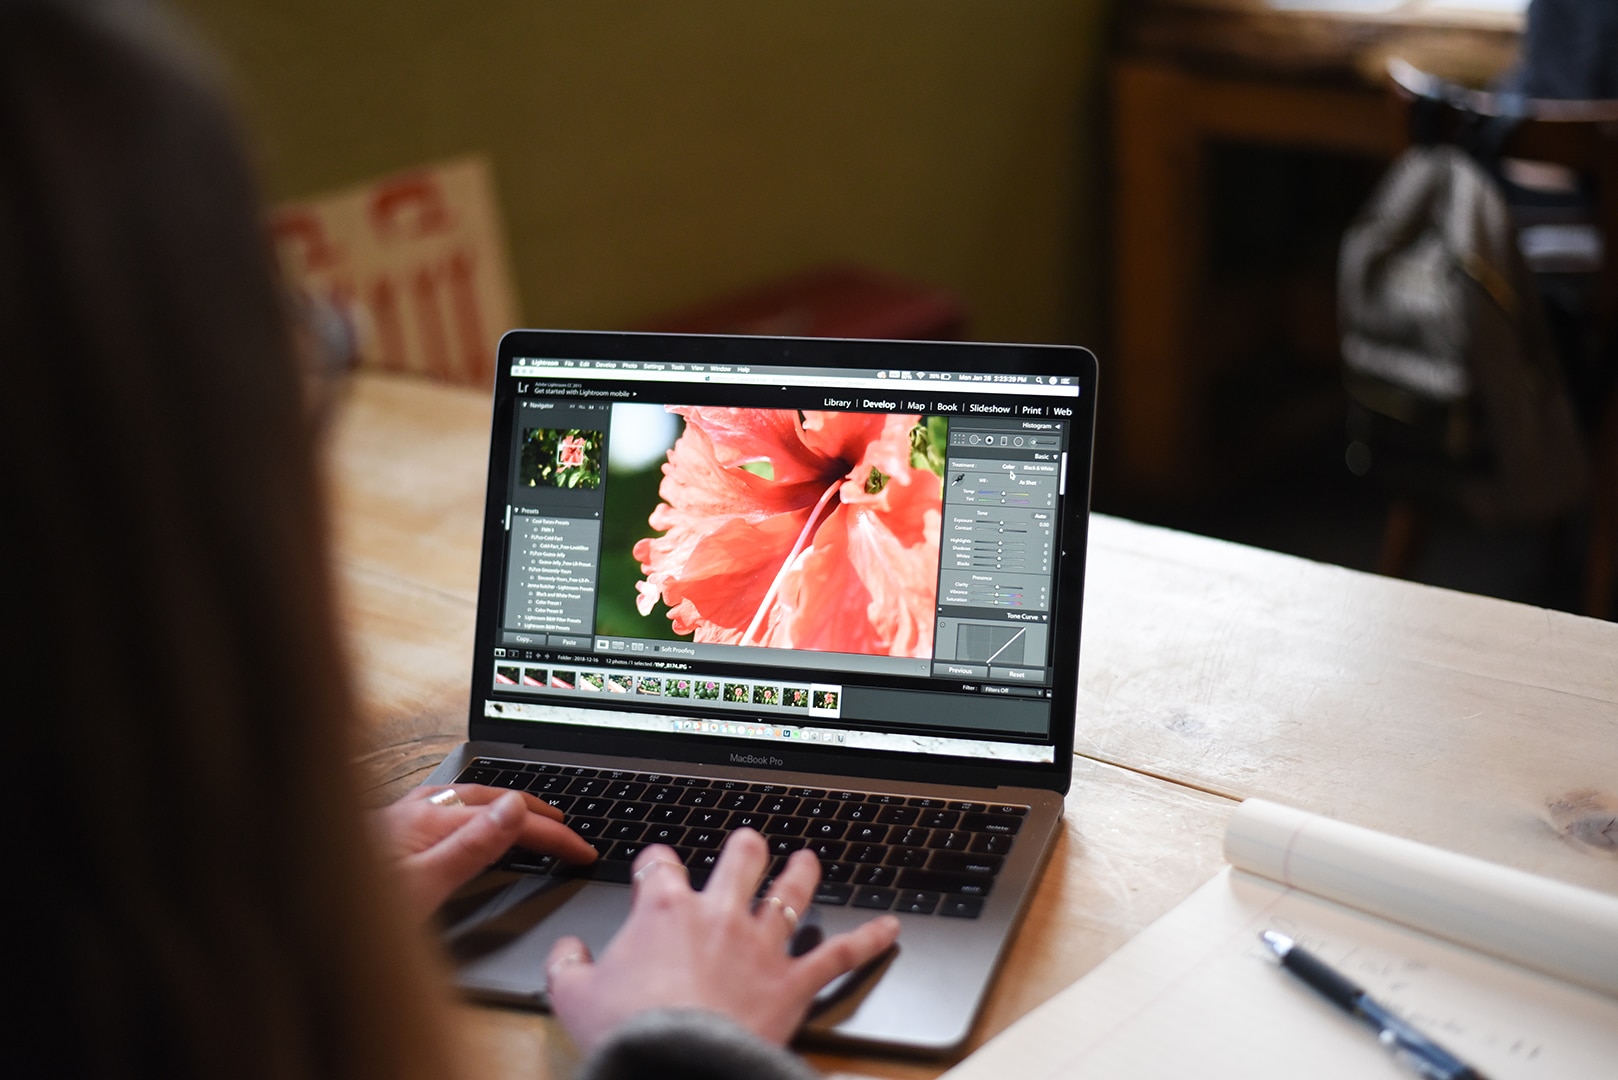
(653, 154)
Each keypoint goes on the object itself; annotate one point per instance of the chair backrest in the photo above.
(1578, 135)
(417, 260)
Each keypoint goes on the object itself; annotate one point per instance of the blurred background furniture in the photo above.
(651, 161)
(1557, 161)
(1245, 133)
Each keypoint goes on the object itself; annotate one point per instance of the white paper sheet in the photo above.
(1196, 994)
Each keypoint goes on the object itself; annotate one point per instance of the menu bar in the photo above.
(890, 380)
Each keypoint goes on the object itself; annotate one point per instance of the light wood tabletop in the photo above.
(1210, 673)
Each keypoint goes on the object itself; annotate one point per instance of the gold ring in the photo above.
(654, 864)
(447, 797)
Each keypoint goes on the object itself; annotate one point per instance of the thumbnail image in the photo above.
(591, 680)
(561, 458)
(564, 680)
(533, 676)
(825, 700)
(650, 685)
(705, 689)
(766, 695)
(737, 693)
(742, 532)
(679, 688)
(796, 697)
(619, 683)
(508, 675)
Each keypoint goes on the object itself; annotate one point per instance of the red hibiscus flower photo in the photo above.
(553, 457)
(783, 528)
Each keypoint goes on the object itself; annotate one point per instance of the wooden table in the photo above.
(1194, 74)
(1211, 672)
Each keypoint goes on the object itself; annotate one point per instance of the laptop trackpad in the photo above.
(500, 929)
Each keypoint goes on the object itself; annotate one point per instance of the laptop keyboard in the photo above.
(909, 854)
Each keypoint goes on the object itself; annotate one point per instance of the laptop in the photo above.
(827, 589)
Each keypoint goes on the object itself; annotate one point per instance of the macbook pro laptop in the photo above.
(826, 589)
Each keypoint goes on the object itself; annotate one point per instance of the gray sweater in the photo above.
(690, 1044)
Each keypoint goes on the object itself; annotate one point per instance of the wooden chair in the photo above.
(1581, 137)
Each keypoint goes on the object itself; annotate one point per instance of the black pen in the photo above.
(1405, 1043)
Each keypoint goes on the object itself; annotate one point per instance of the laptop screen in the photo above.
(866, 549)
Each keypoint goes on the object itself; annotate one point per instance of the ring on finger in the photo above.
(447, 797)
(565, 960)
(654, 864)
(788, 912)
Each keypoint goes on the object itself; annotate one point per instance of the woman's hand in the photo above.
(440, 847)
(715, 949)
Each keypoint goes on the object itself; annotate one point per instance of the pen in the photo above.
(1405, 1043)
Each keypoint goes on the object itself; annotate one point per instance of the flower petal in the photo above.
(863, 588)
(721, 585)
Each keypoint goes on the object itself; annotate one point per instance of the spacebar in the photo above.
(611, 870)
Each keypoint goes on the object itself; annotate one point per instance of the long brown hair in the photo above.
(200, 898)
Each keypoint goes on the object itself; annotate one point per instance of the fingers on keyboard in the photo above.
(914, 855)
